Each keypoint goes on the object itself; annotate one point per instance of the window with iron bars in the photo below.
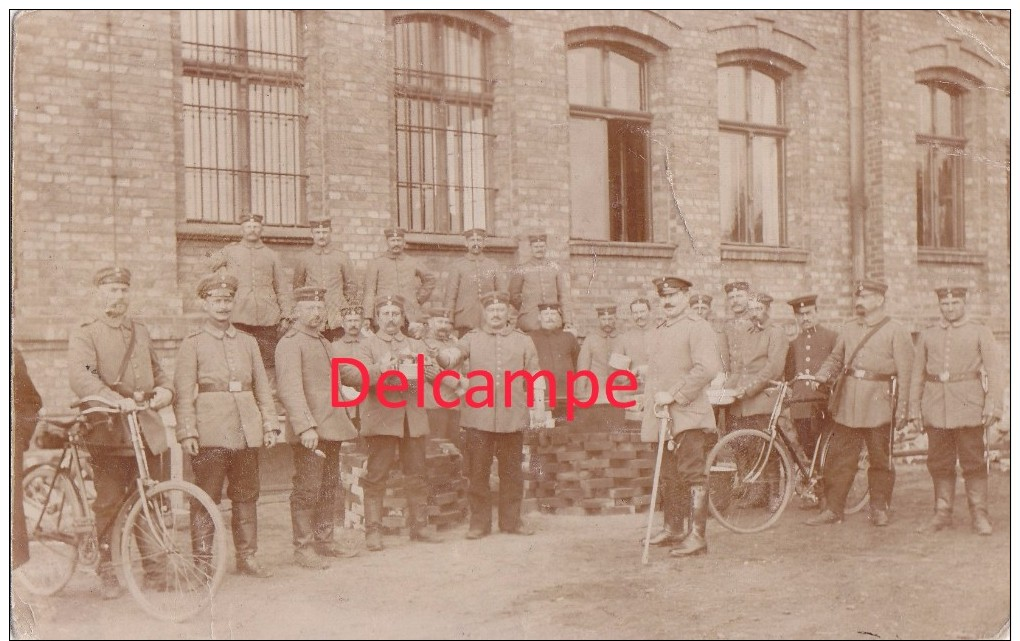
(939, 175)
(242, 93)
(443, 102)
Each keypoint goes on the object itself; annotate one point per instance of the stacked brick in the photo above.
(580, 468)
(447, 502)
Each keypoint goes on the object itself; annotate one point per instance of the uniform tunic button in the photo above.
(807, 347)
(807, 358)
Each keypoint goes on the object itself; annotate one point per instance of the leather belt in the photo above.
(205, 388)
(865, 375)
(946, 377)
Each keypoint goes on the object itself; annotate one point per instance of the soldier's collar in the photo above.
(208, 328)
(256, 245)
(945, 324)
(301, 327)
(347, 338)
(328, 249)
(875, 321)
(505, 331)
(395, 338)
(120, 321)
(611, 334)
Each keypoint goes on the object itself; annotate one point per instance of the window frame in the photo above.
(244, 78)
(930, 144)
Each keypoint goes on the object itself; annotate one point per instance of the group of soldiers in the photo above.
(499, 320)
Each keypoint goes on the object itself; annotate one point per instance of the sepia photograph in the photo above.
(510, 324)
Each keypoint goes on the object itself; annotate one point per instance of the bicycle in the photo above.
(750, 471)
(169, 573)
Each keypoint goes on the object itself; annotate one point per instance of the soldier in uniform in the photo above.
(471, 276)
(634, 342)
(225, 413)
(394, 272)
(595, 351)
(112, 356)
(680, 367)
(701, 304)
(737, 295)
(259, 273)
(869, 364)
(497, 430)
(317, 429)
(538, 280)
(756, 356)
(391, 430)
(347, 345)
(949, 399)
(557, 353)
(808, 350)
(323, 265)
(444, 422)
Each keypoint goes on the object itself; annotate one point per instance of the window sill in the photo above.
(454, 243)
(614, 248)
(763, 253)
(950, 256)
(229, 232)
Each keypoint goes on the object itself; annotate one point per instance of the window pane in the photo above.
(624, 83)
(732, 185)
(628, 181)
(943, 114)
(584, 75)
(764, 104)
(923, 99)
(765, 208)
(731, 94)
(925, 235)
(589, 179)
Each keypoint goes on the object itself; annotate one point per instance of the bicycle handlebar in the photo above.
(110, 407)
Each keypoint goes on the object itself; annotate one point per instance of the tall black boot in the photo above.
(244, 523)
(945, 490)
(373, 522)
(674, 499)
(417, 510)
(977, 499)
(302, 520)
(696, 542)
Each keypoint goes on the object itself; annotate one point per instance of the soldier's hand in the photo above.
(432, 371)
(126, 404)
(161, 397)
(269, 438)
(310, 438)
(190, 445)
(662, 398)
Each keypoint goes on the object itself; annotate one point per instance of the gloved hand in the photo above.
(161, 398)
(310, 438)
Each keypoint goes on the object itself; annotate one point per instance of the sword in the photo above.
(662, 413)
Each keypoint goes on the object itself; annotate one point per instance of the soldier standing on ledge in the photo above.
(112, 356)
(538, 280)
(870, 365)
(808, 350)
(225, 413)
(955, 406)
(323, 265)
(471, 276)
(682, 363)
(317, 429)
(394, 272)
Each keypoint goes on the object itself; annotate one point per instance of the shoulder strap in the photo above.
(127, 359)
(867, 337)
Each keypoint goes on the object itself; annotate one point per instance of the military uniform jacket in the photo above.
(682, 360)
(400, 274)
(808, 351)
(470, 277)
(347, 347)
(862, 402)
(534, 282)
(330, 269)
(377, 419)
(946, 390)
(634, 343)
(594, 357)
(557, 354)
(260, 280)
(208, 361)
(96, 350)
(447, 390)
(507, 350)
(755, 358)
(303, 381)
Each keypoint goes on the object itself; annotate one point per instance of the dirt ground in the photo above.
(581, 578)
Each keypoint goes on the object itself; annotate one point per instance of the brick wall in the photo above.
(98, 151)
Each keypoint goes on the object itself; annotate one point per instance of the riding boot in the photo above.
(945, 489)
(202, 534)
(304, 538)
(696, 542)
(109, 584)
(244, 523)
(977, 499)
(373, 522)
(417, 511)
(673, 516)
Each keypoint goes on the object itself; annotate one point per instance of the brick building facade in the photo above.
(813, 134)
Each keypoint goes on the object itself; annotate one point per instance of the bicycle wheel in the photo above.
(173, 550)
(857, 497)
(750, 481)
(55, 519)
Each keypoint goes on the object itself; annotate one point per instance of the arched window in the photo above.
(609, 145)
(443, 102)
(940, 149)
(752, 137)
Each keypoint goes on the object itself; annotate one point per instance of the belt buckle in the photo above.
(944, 377)
(234, 386)
(860, 373)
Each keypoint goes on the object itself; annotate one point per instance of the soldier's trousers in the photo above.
(508, 448)
(945, 445)
(843, 458)
(444, 423)
(115, 479)
(808, 430)
(685, 464)
(240, 469)
(315, 493)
